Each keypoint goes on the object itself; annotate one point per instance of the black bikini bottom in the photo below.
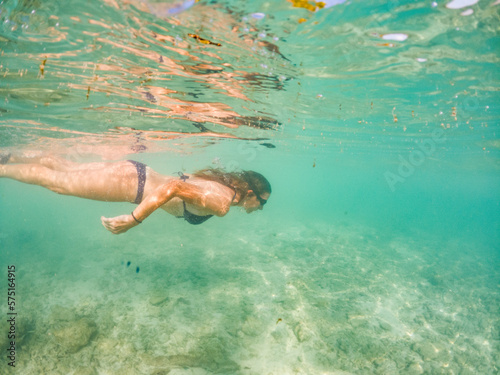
(141, 175)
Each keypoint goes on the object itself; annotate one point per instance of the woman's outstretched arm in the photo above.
(219, 205)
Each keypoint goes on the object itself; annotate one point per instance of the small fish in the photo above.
(137, 270)
(128, 263)
(268, 145)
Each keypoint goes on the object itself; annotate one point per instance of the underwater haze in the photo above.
(377, 125)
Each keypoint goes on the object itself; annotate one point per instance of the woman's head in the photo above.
(258, 184)
(246, 183)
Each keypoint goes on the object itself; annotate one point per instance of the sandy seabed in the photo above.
(280, 299)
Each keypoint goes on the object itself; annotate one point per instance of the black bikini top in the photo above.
(190, 217)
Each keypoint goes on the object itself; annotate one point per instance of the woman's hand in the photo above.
(119, 224)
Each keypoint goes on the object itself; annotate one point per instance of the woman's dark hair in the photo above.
(240, 182)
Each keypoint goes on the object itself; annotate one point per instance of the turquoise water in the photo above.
(377, 126)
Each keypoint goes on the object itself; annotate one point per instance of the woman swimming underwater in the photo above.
(195, 197)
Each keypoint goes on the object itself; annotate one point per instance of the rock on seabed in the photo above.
(75, 335)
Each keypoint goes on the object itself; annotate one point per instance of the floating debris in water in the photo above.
(258, 16)
(396, 37)
(309, 5)
(458, 4)
(204, 41)
(42, 67)
(149, 96)
(330, 3)
(128, 263)
(137, 270)
(178, 8)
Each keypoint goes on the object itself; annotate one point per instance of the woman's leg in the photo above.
(53, 162)
(115, 182)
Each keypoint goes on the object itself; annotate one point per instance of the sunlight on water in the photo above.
(376, 124)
